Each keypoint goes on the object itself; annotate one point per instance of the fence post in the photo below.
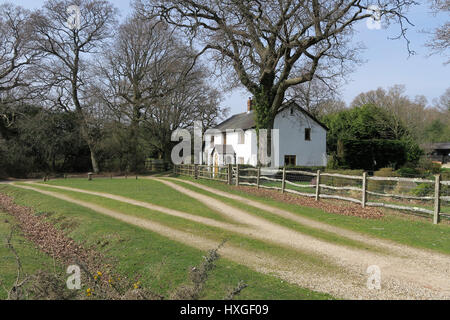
(196, 171)
(237, 175)
(364, 190)
(258, 177)
(283, 182)
(437, 200)
(230, 173)
(318, 186)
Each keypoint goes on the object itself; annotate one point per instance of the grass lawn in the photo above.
(31, 258)
(401, 227)
(157, 262)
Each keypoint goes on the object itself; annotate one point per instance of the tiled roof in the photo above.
(242, 121)
(246, 120)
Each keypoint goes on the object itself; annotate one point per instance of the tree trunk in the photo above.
(266, 108)
(94, 162)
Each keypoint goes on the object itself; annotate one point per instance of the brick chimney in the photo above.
(249, 105)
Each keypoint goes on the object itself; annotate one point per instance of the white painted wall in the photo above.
(292, 138)
(248, 150)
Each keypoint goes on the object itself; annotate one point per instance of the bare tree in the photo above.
(273, 45)
(150, 77)
(138, 71)
(16, 47)
(317, 96)
(68, 49)
(193, 100)
(443, 103)
(440, 43)
(17, 55)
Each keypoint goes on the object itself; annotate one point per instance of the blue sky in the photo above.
(387, 62)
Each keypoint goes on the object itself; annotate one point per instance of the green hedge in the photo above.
(371, 154)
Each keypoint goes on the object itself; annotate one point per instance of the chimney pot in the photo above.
(249, 104)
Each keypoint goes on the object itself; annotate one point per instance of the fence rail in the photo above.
(318, 185)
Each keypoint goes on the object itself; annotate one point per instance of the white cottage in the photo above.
(302, 139)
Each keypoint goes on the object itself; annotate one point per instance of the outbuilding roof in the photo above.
(441, 146)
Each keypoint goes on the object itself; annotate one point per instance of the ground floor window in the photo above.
(290, 160)
(241, 160)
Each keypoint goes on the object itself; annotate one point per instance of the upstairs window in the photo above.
(307, 134)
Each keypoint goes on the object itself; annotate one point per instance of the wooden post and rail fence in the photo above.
(235, 174)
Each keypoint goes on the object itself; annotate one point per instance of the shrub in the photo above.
(445, 175)
(341, 182)
(423, 190)
(303, 168)
(333, 162)
(428, 167)
(371, 154)
(382, 186)
(408, 172)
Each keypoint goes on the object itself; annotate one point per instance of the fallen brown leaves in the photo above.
(48, 238)
(330, 206)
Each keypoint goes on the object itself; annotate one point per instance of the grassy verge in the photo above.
(403, 228)
(157, 262)
(30, 257)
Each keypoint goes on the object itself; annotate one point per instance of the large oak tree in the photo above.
(150, 80)
(273, 45)
(68, 49)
